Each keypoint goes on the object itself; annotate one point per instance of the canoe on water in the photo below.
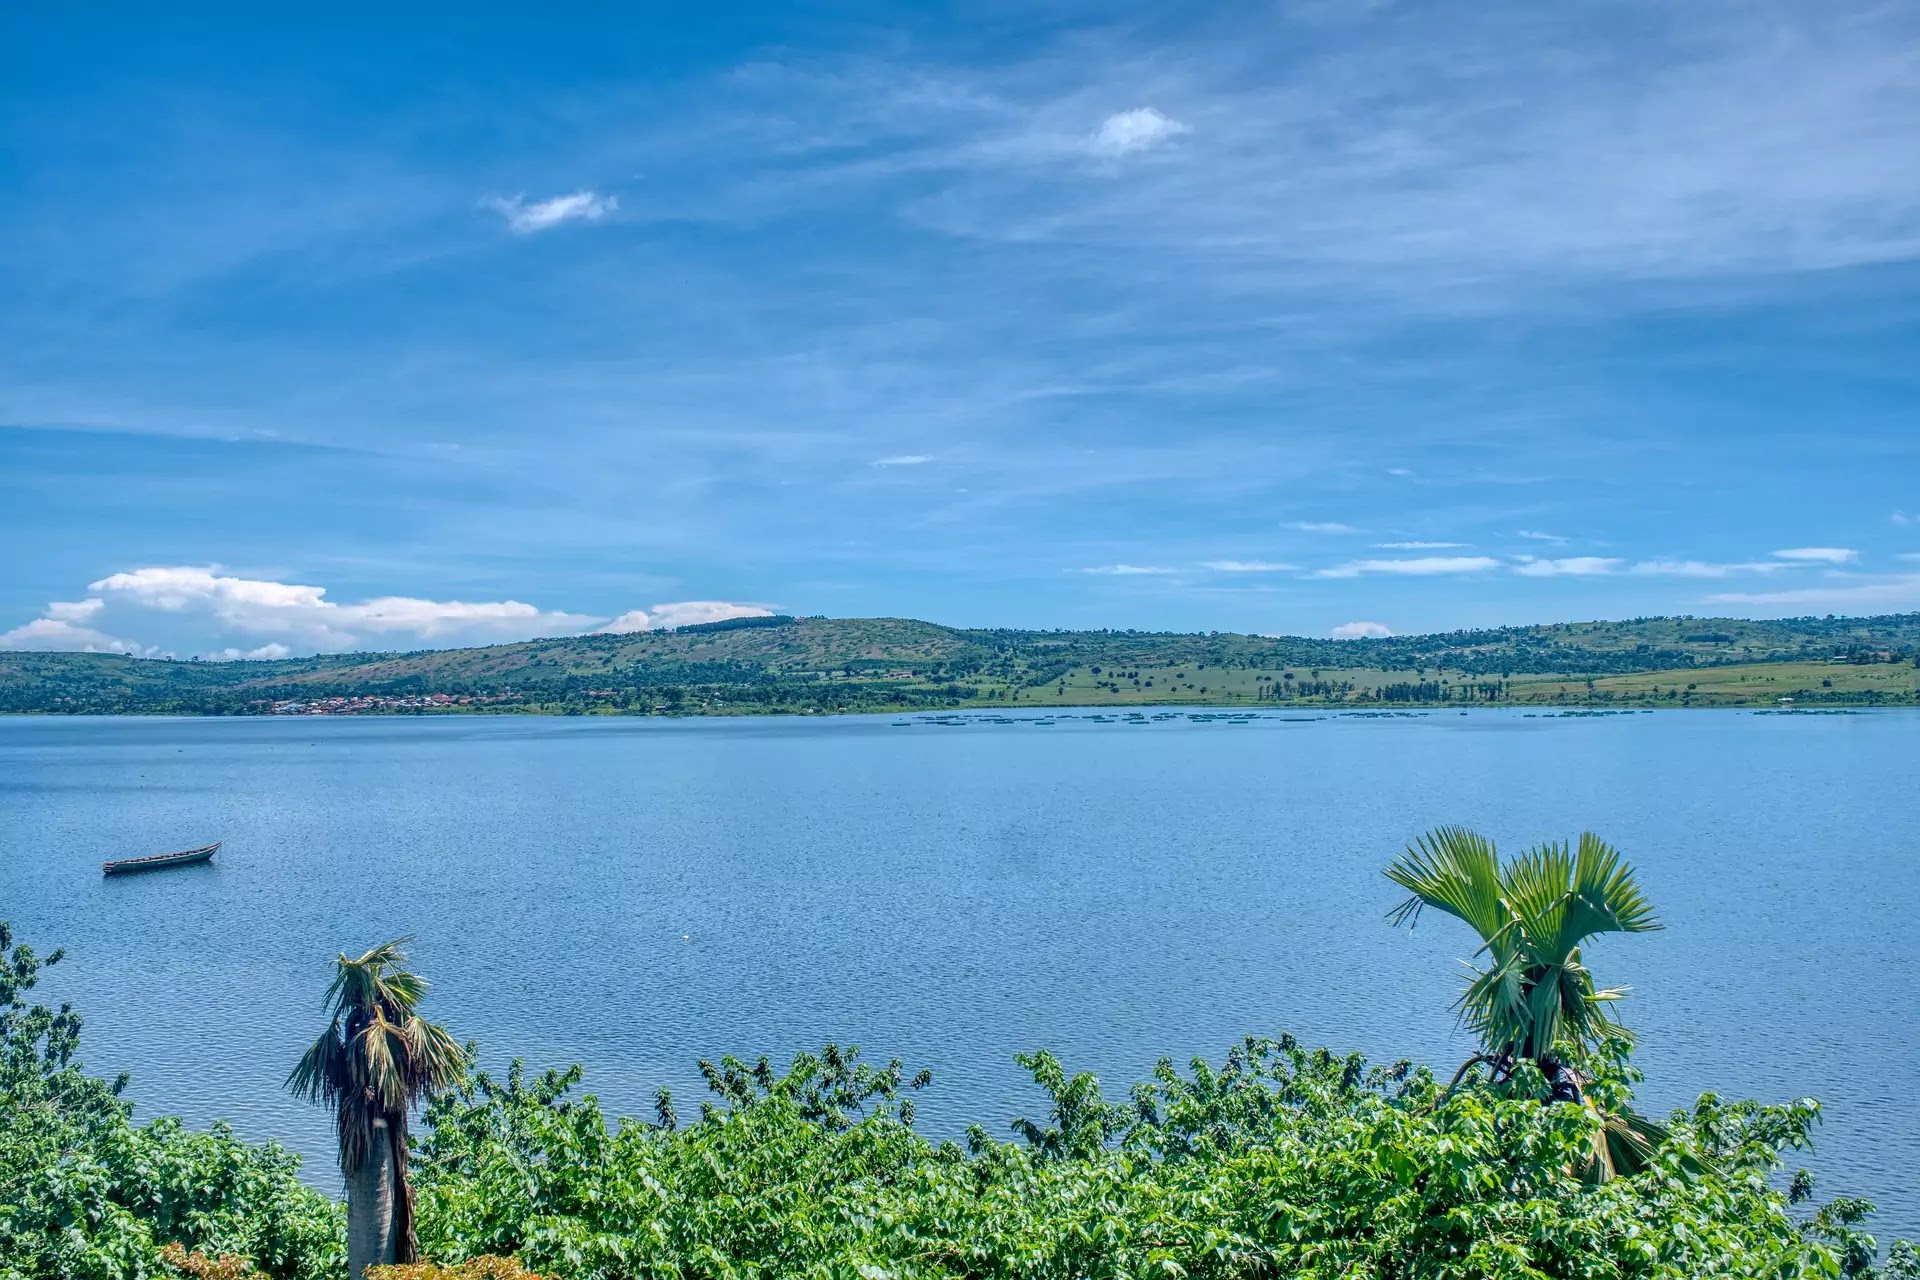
(155, 862)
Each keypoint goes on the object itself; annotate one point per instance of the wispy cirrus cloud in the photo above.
(1322, 526)
(1419, 546)
(1602, 566)
(1892, 593)
(523, 218)
(903, 460)
(1250, 566)
(1408, 149)
(1537, 535)
(1706, 568)
(1126, 570)
(1417, 566)
(1570, 566)
(1818, 555)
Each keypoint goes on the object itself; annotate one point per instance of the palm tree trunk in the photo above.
(370, 1205)
(406, 1245)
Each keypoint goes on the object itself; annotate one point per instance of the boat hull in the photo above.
(160, 861)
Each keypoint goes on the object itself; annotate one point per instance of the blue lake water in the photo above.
(637, 894)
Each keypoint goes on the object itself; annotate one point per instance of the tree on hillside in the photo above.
(1534, 1001)
(374, 1063)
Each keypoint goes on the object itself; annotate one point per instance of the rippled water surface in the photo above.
(637, 894)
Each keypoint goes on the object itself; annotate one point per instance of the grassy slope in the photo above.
(881, 663)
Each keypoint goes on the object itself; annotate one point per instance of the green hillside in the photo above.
(854, 664)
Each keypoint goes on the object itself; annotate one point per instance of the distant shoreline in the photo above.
(1022, 710)
(834, 666)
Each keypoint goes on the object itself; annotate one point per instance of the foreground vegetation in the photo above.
(815, 665)
(1279, 1161)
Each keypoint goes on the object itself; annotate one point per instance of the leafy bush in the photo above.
(87, 1195)
(1281, 1162)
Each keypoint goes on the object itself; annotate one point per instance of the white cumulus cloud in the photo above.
(74, 610)
(301, 614)
(260, 653)
(681, 613)
(525, 219)
(1361, 631)
(57, 635)
(1140, 129)
(630, 621)
(197, 608)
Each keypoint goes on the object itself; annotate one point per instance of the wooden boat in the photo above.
(155, 862)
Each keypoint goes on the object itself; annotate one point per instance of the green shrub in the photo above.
(1281, 1162)
(87, 1195)
(1278, 1162)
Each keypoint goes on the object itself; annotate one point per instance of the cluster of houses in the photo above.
(378, 703)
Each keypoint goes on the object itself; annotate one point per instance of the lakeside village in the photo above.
(379, 703)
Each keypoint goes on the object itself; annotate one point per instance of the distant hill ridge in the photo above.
(850, 663)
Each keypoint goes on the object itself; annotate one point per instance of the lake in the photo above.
(635, 894)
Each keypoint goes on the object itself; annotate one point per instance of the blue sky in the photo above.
(419, 325)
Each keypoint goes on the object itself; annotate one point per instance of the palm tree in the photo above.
(1535, 1001)
(375, 1062)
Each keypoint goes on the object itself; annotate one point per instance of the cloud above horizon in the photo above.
(683, 613)
(195, 609)
(1889, 594)
(1362, 631)
(1604, 566)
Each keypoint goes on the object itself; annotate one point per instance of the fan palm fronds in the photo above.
(1533, 914)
